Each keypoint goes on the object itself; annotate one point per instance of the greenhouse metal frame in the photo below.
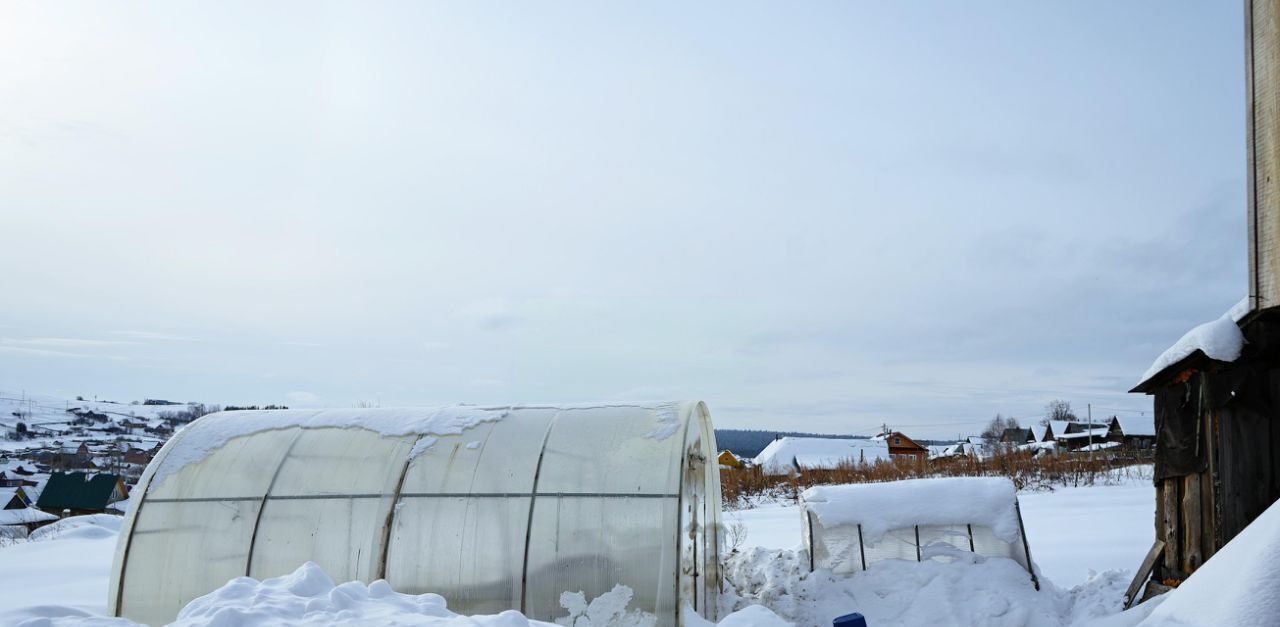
(503, 513)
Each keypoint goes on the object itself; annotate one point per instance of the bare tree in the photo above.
(997, 426)
(1057, 410)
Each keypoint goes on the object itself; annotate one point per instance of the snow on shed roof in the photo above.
(24, 516)
(1098, 432)
(881, 507)
(1137, 425)
(1220, 339)
(1100, 446)
(782, 455)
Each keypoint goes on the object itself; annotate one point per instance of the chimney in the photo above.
(1262, 95)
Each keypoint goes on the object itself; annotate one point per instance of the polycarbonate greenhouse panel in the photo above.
(334, 516)
(944, 542)
(985, 542)
(588, 544)
(897, 544)
(465, 503)
(203, 514)
(609, 451)
(468, 549)
(494, 508)
(184, 550)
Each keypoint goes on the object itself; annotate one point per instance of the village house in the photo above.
(1133, 433)
(1080, 435)
(903, 448)
(81, 493)
(789, 455)
(1016, 436)
(21, 497)
(728, 460)
(25, 520)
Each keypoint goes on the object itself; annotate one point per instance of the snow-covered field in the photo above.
(60, 576)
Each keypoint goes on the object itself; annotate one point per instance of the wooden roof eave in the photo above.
(1197, 360)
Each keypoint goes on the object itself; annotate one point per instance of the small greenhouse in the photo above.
(495, 508)
(849, 527)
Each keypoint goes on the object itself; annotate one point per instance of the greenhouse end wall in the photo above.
(494, 508)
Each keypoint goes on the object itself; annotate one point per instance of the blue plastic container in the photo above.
(850, 620)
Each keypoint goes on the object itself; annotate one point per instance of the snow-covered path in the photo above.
(1074, 530)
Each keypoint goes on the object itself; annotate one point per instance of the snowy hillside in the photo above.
(33, 420)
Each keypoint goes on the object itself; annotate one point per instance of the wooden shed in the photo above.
(1217, 431)
(1217, 404)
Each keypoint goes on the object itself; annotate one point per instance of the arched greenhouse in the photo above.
(493, 507)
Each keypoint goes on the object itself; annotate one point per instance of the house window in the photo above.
(897, 441)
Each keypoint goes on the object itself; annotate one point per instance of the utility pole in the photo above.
(1090, 428)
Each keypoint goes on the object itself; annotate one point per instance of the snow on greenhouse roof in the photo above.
(881, 507)
(215, 430)
(1220, 339)
(668, 423)
(781, 455)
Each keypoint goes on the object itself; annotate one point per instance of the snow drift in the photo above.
(1239, 585)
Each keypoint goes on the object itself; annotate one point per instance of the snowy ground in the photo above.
(63, 566)
(59, 578)
(1075, 530)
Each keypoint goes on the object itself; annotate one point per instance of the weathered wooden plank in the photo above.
(1208, 532)
(1208, 488)
(1191, 528)
(1144, 573)
(1159, 523)
(1169, 496)
(1230, 474)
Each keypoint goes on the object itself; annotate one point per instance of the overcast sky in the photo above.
(823, 216)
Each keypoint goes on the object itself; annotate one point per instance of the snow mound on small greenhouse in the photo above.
(211, 432)
(1220, 339)
(992, 592)
(881, 507)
